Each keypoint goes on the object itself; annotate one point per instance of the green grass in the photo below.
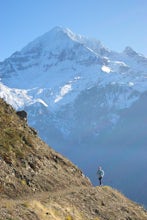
(15, 139)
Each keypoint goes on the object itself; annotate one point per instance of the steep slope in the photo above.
(39, 184)
(28, 164)
(79, 96)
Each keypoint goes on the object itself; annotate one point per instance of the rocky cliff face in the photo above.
(37, 183)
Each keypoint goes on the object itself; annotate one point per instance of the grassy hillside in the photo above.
(27, 163)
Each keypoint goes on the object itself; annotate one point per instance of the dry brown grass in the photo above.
(100, 203)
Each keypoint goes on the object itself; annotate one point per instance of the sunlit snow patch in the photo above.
(64, 90)
(40, 91)
(40, 101)
(15, 97)
(106, 69)
(131, 84)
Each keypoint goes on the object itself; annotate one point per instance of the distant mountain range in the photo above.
(87, 102)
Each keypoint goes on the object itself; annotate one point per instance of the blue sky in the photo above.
(116, 23)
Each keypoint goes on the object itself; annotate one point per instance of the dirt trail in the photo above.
(75, 203)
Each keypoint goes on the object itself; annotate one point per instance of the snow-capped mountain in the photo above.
(86, 101)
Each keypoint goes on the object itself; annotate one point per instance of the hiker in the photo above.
(100, 174)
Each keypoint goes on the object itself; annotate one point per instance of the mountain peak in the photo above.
(129, 51)
(60, 37)
(62, 30)
(55, 38)
(60, 81)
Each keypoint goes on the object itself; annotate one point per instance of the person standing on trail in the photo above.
(100, 174)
